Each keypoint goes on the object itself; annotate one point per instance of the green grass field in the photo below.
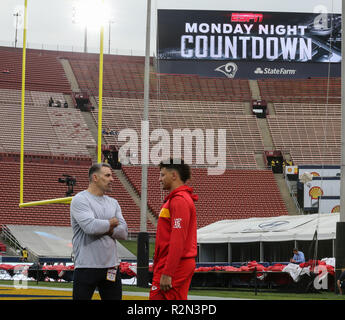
(132, 246)
(262, 294)
(243, 294)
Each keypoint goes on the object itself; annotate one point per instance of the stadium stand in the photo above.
(123, 78)
(316, 156)
(251, 193)
(309, 109)
(306, 120)
(188, 101)
(178, 106)
(60, 146)
(308, 139)
(51, 131)
(41, 176)
(315, 90)
(43, 71)
(242, 132)
(40, 182)
(192, 87)
(297, 132)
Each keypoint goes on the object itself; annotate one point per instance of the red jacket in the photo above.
(176, 231)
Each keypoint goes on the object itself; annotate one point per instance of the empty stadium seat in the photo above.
(124, 78)
(41, 183)
(237, 194)
(308, 139)
(43, 71)
(243, 137)
(51, 131)
(314, 90)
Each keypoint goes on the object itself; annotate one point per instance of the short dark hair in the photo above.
(182, 168)
(96, 167)
(295, 249)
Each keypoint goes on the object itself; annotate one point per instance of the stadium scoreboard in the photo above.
(249, 45)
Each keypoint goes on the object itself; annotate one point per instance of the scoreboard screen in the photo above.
(190, 36)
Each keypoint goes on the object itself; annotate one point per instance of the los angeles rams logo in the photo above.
(228, 69)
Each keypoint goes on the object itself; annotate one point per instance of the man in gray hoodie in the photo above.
(97, 222)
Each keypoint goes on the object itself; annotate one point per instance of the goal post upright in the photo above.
(65, 200)
(21, 183)
(100, 94)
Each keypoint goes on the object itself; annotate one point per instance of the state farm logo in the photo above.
(228, 69)
(260, 70)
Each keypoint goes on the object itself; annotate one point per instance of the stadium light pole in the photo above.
(85, 39)
(110, 22)
(90, 14)
(17, 14)
(340, 230)
(143, 237)
(76, 19)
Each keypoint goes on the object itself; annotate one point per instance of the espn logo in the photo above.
(247, 17)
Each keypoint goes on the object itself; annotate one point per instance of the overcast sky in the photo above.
(50, 21)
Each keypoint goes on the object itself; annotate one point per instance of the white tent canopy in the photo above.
(270, 229)
(52, 241)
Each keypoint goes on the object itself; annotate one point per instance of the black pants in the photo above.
(86, 280)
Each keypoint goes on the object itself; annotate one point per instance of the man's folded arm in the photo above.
(81, 212)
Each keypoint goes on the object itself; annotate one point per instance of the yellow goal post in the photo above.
(65, 200)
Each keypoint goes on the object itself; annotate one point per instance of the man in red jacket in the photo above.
(176, 244)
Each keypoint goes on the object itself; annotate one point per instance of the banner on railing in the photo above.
(329, 204)
(318, 187)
